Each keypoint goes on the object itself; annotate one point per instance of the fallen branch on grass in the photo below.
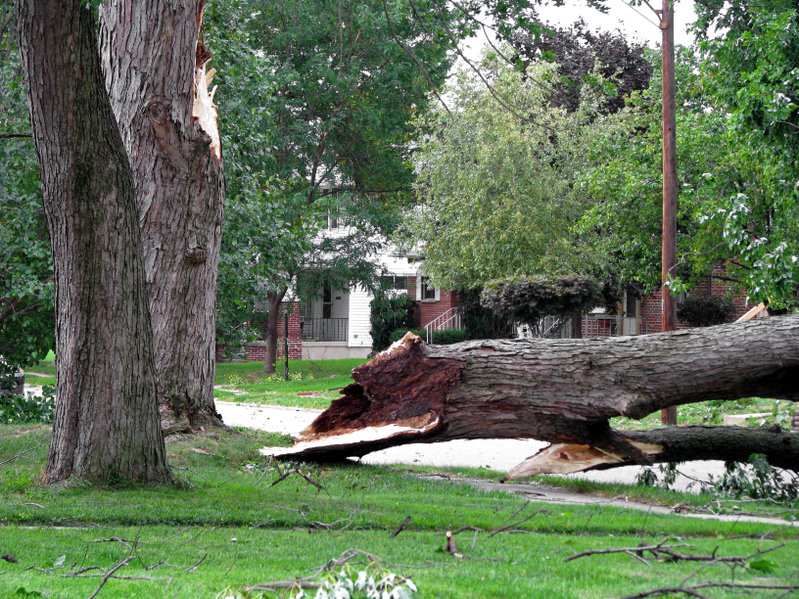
(665, 552)
(694, 590)
(16, 456)
(129, 543)
(401, 527)
(512, 526)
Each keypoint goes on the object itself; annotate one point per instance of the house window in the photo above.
(327, 302)
(394, 283)
(426, 292)
(630, 305)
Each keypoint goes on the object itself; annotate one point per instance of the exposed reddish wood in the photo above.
(400, 386)
(562, 391)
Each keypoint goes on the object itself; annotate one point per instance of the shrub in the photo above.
(529, 299)
(478, 321)
(18, 409)
(448, 337)
(388, 315)
(705, 310)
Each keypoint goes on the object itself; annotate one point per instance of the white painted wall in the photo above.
(359, 326)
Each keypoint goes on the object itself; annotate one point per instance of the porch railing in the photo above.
(594, 325)
(449, 320)
(323, 329)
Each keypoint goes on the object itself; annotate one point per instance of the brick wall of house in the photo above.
(256, 351)
(428, 311)
(714, 285)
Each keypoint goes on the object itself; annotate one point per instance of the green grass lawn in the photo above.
(312, 384)
(226, 527)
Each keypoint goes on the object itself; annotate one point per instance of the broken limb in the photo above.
(671, 444)
(565, 392)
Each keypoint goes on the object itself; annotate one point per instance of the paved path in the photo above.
(494, 454)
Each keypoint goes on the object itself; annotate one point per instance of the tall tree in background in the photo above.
(580, 54)
(496, 179)
(327, 138)
(106, 424)
(26, 268)
(154, 62)
(751, 67)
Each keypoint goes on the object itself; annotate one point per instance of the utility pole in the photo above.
(669, 249)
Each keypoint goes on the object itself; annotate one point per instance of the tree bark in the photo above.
(154, 63)
(561, 391)
(106, 425)
(670, 444)
(274, 299)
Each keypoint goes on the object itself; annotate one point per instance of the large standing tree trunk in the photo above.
(275, 300)
(154, 63)
(106, 423)
(564, 391)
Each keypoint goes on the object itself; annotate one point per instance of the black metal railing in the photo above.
(324, 329)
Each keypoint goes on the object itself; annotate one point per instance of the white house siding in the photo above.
(359, 325)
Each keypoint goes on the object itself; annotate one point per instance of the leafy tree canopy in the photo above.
(579, 53)
(495, 189)
(737, 168)
(529, 299)
(318, 98)
(26, 284)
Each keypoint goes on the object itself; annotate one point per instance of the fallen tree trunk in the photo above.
(564, 392)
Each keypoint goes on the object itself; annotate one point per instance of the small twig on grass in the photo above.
(401, 527)
(332, 525)
(129, 543)
(16, 456)
(194, 567)
(513, 525)
(82, 571)
(467, 527)
(191, 539)
(120, 564)
(297, 471)
(177, 534)
(272, 462)
(514, 514)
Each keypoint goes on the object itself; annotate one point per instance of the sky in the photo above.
(635, 22)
